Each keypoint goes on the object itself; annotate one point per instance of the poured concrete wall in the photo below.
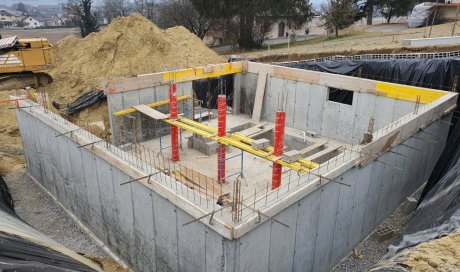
(308, 108)
(146, 230)
(139, 225)
(327, 224)
(145, 128)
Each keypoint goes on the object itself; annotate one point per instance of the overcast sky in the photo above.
(316, 3)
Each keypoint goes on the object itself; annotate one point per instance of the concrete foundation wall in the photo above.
(139, 225)
(327, 224)
(145, 128)
(308, 108)
(147, 231)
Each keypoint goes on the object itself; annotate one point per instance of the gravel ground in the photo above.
(370, 251)
(39, 210)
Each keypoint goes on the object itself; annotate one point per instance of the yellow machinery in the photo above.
(23, 62)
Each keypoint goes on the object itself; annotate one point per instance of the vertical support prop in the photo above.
(174, 129)
(221, 131)
(278, 148)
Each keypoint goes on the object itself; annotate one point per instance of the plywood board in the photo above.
(259, 99)
(151, 112)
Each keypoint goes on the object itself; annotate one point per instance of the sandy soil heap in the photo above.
(129, 45)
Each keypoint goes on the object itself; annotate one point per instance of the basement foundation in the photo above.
(346, 165)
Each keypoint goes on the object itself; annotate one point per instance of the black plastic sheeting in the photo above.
(20, 254)
(439, 73)
(85, 100)
(208, 89)
(6, 201)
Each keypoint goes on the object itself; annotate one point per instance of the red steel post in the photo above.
(278, 147)
(221, 131)
(174, 129)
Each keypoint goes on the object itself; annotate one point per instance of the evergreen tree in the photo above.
(395, 8)
(338, 14)
(252, 16)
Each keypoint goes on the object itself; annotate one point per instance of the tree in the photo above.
(392, 8)
(21, 7)
(115, 8)
(338, 14)
(80, 10)
(182, 12)
(254, 15)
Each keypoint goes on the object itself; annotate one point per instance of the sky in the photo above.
(316, 3)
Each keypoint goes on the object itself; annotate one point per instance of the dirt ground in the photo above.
(52, 34)
(11, 154)
(359, 39)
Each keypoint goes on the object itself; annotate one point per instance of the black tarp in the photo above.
(6, 202)
(208, 89)
(439, 73)
(85, 100)
(25, 249)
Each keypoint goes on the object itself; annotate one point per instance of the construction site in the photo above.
(201, 164)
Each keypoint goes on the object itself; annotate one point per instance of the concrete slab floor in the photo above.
(257, 172)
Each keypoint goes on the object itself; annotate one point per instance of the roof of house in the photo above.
(12, 12)
(33, 17)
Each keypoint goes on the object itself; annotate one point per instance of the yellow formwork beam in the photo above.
(152, 105)
(215, 70)
(409, 93)
(237, 141)
(243, 139)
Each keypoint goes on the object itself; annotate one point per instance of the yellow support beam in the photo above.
(243, 139)
(240, 142)
(151, 105)
(409, 93)
(203, 72)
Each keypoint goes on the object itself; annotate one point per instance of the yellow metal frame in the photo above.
(203, 72)
(241, 142)
(151, 105)
(409, 93)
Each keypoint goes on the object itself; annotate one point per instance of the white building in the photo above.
(12, 16)
(281, 30)
(32, 22)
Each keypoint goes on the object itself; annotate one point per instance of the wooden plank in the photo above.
(259, 99)
(151, 112)
(307, 151)
(323, 155)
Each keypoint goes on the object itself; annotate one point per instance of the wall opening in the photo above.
(340, 96)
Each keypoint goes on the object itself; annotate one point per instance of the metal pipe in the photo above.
(221, 131)
(278, 148)
(174, 129)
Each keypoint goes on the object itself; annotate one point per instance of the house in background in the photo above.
(282, 30)
(32, 22)
(11, 16)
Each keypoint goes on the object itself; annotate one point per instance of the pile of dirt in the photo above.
(437, 255)
(11, 154)
(129, 45)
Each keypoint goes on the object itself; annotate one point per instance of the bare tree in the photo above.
(115, 8)
(80, 10)
(338, 14)
(182, 12)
